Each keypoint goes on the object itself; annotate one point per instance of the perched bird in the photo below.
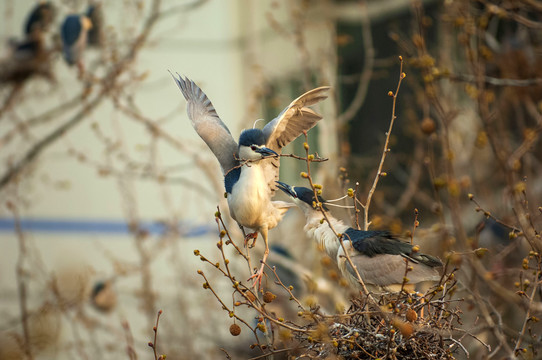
(251, 167)
(103, 296)
(380, 258)
(73, 34)
(26, 59)
(29, 56)
(40, 18)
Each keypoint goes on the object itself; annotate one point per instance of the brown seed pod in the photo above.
(235, 329)
(250, 296)
(411, 315)
(268, 297)
(428, 126)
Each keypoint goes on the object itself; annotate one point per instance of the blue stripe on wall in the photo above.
(100, 227)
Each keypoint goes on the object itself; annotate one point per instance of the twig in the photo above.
(154, 344)
(230, 241)
(41, 145)
(457, 343)
(321, 208)
(487, 214)
(496, 81)
(21, 282)
(527, 314)
(368, 64)
(129, 341)
(279, 282)
(385, 151)
(316, 157)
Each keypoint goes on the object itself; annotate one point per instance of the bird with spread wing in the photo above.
(251, 167)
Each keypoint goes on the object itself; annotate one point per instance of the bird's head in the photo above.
(303, 197)
(252, 145)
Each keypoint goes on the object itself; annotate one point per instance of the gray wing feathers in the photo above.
(383, 270)
(294, 119)
(207, 124)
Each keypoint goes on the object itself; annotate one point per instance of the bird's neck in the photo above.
(322, 231)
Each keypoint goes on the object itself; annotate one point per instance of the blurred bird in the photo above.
(40, 18)
(95, 14)
(26, 58)
(284, 264)
(73, 34)
(250, 188)
(103, 297)
(380, 258)
(506, 252)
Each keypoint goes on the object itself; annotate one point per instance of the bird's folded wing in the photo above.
(294, 119)
(388, 269)
(207, 124)
(371, 243)
(71, 29)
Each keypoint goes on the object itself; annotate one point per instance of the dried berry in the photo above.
(428, 126)
(235, 329)
(411, 315)
(268, 297)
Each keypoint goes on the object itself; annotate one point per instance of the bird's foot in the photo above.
(253, 236)
(257, 278)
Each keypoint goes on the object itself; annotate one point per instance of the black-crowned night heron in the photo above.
(40, 18)
(251, 167)
(380, 258)
(103, 296)
(73, 34)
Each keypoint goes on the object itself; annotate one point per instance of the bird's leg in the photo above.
(249, 236)
(242, 230)
(259, 274)
(80, 69)
(253, 236)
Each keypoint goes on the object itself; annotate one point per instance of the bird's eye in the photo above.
(254, 148)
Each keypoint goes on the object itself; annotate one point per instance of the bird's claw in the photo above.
(257, 278)
(253, 236)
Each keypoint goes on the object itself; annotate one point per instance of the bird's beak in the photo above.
(287, 189)
(266, 151)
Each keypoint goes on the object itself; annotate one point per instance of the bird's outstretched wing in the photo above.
(294, 119)
(288, 125)
(207, 124)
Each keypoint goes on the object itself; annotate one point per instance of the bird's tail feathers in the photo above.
(428, 260)
(282, 206)
(424, 259)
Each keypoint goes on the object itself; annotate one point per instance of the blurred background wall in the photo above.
(106, 189)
